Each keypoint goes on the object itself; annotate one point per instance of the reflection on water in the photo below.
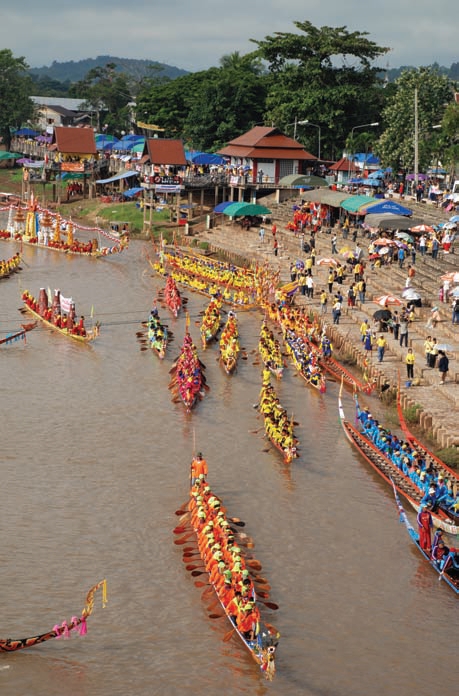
(96, 461)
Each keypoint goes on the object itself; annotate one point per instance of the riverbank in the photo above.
(429, 405)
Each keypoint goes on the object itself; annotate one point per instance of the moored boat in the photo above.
(391, 473)
(60, 316)
(77, 624)
(447, 568)
(229, 571)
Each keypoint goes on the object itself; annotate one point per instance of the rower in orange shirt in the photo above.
(198, 468)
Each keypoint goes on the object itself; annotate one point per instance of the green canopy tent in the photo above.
(355, 203)
(303, 180)
(9, 155)
(236, 209)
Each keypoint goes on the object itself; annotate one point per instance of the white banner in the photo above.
(168, 188)
(66, 303)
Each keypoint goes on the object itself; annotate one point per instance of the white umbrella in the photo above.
(410, 294)
(327, 262)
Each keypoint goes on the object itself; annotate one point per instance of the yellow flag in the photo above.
(92, 312)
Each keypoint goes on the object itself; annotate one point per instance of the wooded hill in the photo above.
(73, 71)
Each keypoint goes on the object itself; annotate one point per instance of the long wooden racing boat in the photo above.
(278, 426)
(10, 266)
(234, 298)
(76, 332)
(229, 344)
(229, 570)
(77, 624)
(18, 335)
(390, 472)
(306, 360)
(449, 571)
(210, 323)
(172, 297)
(188, 382)
(270, 351)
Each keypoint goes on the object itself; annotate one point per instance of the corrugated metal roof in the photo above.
(64, 102)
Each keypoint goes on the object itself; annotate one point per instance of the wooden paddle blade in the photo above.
(263, 595)
(270, 605)
(199, 583)
(184, 539)
(237, 521)
(193, 567)
(216, 616)
(197, 573)
(208, 592)
(180, 530)
(227, 637)
(182, 510)
(252, 563)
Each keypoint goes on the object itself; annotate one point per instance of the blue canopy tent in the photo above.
(132, 192)
(196, 157)
(221, 206)
(385, 206)
(27, 132)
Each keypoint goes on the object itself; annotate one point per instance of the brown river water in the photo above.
(95, 460)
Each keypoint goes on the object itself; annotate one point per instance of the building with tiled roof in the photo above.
(265, 155)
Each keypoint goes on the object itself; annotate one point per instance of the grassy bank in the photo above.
(90, 211)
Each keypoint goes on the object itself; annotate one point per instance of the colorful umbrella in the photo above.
(405, 236)
(386, 300)
(327, 262)
(410, 294)
(383, 241)
(422, 228)
(452, 276)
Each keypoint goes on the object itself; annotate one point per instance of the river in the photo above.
(95, 463)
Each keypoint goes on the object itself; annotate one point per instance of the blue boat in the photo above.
(449, 572)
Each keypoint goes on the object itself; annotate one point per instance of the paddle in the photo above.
(180, 530)
(184, 539)
(199, 583)
(216, 616)
(270, 605)
(228, 635)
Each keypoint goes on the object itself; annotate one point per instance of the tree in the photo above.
(396, 145)
(107, 92)
(15, 90)
(324, 75)
(209, 108)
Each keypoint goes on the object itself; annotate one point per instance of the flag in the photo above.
(50, 296)
(92, 312)
(66, 303)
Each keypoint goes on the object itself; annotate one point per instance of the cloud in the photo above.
(195, 35)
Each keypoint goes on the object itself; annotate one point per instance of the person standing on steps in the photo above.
(443, 366)
(410, 360)
(396, 324)
(275, 246)
(261, 234)
(381, 344)
(404, 331)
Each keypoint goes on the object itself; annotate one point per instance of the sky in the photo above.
(195, 34)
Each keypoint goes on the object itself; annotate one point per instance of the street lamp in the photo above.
(307, 122)
(364, 125)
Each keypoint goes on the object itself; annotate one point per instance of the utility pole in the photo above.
(416, 138)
